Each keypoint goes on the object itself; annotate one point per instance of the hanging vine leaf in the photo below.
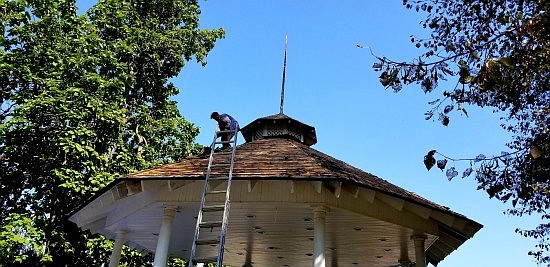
(428, 115)
(463, 110)
(494, 190)
(427, 85)
(429, 160)
(451, 173)
(448, 109)
(397, 86)
(514, 202)
(467, 172)
(444, 119)
(441, 164)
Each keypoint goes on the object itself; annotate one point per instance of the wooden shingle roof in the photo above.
(279, 158)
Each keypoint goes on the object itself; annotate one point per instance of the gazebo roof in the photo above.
(284, 159)
(270, 164)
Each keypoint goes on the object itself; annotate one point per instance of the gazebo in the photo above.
(291, 205)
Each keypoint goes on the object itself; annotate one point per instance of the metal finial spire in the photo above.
(284, 74)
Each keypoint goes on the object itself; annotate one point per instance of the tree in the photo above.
(498, 50)
(83, 100)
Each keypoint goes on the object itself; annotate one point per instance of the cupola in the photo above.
(279, 126)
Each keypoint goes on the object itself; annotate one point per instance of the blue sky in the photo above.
(330, 85)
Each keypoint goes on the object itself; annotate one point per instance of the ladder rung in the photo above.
(218, 178)
(206, 260)
(219, 164)
(213, 208)
(225, 131)
(223, 152)
(217, 192)
(207, 241)
(224, 142)
(210, 224)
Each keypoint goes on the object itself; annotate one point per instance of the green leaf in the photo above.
(83, 84)
(506, 62)
(535, 152)
(463, 110)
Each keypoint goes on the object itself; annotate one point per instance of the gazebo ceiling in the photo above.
(270, 225)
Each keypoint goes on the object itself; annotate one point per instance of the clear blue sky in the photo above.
(330, 85)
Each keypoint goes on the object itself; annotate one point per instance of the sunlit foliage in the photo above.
(84, 99)
(498, 52)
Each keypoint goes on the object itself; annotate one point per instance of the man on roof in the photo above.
(225, 123)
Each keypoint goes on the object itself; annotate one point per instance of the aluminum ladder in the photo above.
(212, 218)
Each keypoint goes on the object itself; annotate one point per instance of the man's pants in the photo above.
(226, 137)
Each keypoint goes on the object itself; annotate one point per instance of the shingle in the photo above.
(279, 158)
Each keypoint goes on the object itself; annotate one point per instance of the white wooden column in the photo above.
(161, 253)
(319, 216)
(419, 250)
(117, 249)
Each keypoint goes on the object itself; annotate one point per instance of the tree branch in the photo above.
(476, 159)
(444, 59)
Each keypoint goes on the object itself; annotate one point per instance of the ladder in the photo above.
(213, 212)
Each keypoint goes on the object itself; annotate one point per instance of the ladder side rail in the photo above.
(227, 202)
(203, 197)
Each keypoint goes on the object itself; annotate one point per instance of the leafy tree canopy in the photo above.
(498, 50)
(84, 99)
